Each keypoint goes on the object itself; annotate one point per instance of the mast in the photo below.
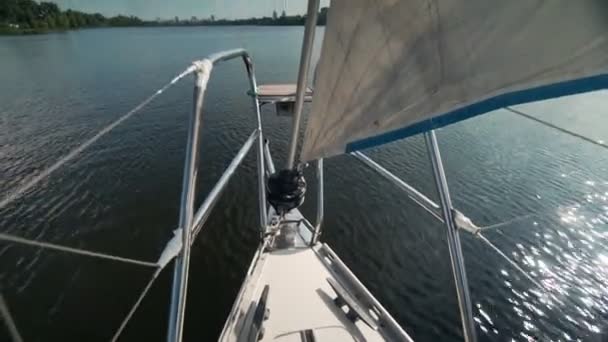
(309, 36)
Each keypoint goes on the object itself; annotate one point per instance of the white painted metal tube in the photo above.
(307, 44)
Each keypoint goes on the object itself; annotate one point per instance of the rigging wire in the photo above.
(4, 312)
(509, 260)
(563, 130)
(72, 250)
(509, 221)
(13, 195)
(548, 290)
(76, 151)
(126, 320)
(500, 224)
(8, 319)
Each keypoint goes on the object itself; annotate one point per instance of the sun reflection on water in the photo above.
(567, 255)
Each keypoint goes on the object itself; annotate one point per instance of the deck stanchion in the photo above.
(260, 150)
(456, 257)
(186, 213)
(320, 203)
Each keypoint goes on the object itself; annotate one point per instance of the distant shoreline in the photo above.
(28, 17)
(32, 32)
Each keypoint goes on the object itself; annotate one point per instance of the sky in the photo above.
(166, 9)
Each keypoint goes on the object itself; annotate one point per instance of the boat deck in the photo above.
(300, 298)
(304, 293)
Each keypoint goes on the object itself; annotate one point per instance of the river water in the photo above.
(121, 196)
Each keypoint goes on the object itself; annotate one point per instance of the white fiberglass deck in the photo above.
(300, 303)
(300, 298)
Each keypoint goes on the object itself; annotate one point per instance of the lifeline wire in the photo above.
(524, 273)
(5, 313)
(504, 223)
(46, 172)
(47, 245)
(8, 319)
(513, 263)
(136, 305)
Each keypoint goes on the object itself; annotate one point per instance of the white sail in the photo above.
(390, 69)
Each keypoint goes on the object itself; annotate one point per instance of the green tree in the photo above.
(40, 24)
(48, 9)
(62, 21)
(51, 22)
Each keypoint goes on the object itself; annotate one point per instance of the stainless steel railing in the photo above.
(189, 223)
(320, 203)
(205, 209)
(454, 247)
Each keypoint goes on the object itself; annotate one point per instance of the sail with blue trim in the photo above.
(390, 69)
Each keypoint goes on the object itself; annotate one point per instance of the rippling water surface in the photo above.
(549, 191)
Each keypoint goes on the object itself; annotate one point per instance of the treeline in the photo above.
(28, 16)
(275, 20)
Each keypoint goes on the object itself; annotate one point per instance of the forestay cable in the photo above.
(46, 172)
